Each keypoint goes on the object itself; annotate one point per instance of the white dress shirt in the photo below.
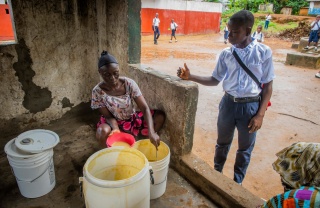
(156, 22)
(257, 57)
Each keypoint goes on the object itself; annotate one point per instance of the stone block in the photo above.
(311, 61)
(303, 43)
(218, 187)
(295, 45)
(177, 98)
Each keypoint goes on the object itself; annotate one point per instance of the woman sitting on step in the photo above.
(114, 98)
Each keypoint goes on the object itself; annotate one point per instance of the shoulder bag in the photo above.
(318, 33)
(246, 69)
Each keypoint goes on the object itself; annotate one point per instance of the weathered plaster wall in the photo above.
(178, 99)
(117, 30)
(53, 68)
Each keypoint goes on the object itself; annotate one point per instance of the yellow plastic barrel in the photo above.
(116, 177)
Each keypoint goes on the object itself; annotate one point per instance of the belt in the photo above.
(243, 99)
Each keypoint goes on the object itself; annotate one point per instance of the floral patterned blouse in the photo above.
(121, 107)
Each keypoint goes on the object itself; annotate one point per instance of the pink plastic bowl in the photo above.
(120, 137)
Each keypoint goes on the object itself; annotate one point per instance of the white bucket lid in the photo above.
(12, 151)
(38, 140)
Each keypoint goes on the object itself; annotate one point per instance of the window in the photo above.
(7, 29)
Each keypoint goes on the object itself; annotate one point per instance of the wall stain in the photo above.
(67, 7)
(7, 55)
(66, 103)
(36, 99)
(83, 6)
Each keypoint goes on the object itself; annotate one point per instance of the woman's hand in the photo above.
(183, 73)
(155, 139)
(114, 131)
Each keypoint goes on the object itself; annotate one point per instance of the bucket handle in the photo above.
(161, 181)
(81, 184)
(50, 163)
(151, 175)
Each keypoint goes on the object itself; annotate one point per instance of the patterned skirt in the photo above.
(135, 125)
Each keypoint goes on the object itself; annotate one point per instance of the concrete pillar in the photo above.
(134, 30)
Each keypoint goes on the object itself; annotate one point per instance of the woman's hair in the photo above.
(106, 59)
(243, 17)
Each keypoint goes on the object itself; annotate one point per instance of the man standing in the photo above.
(244, 103)
(173, 27)
(155, 27)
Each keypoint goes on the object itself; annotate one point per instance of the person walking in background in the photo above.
(173, 27)
(244, 103)
(266, 23)
(226, 34)
(258, 35)
(313, 37)
(155, 27)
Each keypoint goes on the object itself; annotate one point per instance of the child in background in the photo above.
(173, 27)
(258, 35)
(266, 23)
(226, 34)
(156, 29)
(314, 37)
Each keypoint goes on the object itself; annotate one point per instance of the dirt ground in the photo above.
(293, 116)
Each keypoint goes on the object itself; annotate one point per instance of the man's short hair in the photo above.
(243, 17)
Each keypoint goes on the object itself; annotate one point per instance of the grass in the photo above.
(273, 27)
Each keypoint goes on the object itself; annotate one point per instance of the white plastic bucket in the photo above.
(34, 172)
(116, 177)
(159, 161)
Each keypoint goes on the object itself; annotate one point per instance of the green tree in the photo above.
(253, 5)
(212, 1)
(295, 4)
